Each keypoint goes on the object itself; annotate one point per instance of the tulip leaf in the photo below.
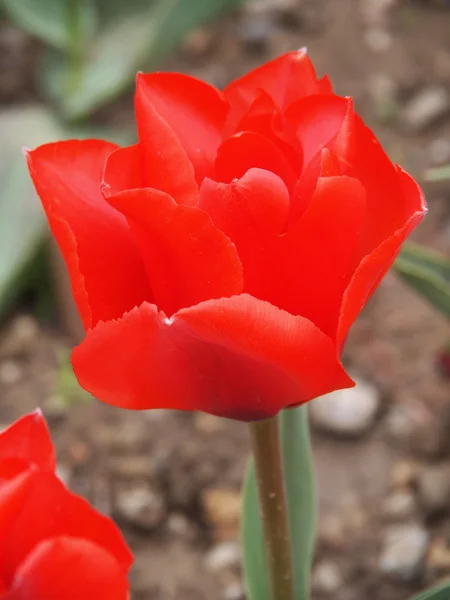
(438, 173)
(428, 273)
(49, 20)
(136, 40)
(22, 223)
(300, 489)
(440, 592)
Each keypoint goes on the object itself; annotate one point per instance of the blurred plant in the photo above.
(428, 273)
(93, 48)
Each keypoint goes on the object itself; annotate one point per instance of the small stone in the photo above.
(79, 452)
(438, 556)
(223, 556)
(140, 506)
(348, 412)
(10, 372)
(180, 526)
(22, 333)
(234, 591)
(425, 108)
(326, 578)
(434, 489)
(377, 39)
(400, 505)
(100, 494)
(403, 474)
(133, 467)
(332, 532)
(439, 152)
(208, 424)
(254, 32)
(222, 510)
(403, 551)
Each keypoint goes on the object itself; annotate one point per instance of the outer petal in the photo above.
(287, 79)
(42, 508)
(106, 272)
(187, 258)
(310, 266)
(70, 569)
(248, 150)
(194, 110)
(252, 212)
(235, 357)
(375, 265)
(389, 206)
(26, 442)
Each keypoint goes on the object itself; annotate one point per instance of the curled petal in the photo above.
(194, 110)
(165, 164)
(188, 259)
(25, 443)
(248, 150)
(106, 272)
(252, 212)
(236, 357)
(69, 568)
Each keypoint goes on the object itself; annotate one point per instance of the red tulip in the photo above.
(53, 544)
(219, 262)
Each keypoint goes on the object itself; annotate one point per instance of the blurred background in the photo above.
(172, 480)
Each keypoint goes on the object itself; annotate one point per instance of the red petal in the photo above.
(26, 442)
(310, 266)
(247, 150)
(106, 272)
(375, 265)
(264, 117)
(251, 211)
(50, 510)
(194, 110)
(388, 207)
(69, 568)
(286, 79)
(122, 171)
(165, 163)
(187, 258)
(235, 357)
(316, 121)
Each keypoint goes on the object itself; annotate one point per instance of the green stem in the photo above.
(272, 500)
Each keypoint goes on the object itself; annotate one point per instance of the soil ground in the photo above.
(172, 480)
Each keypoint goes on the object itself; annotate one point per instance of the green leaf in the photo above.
(300, 488)
(48, 20)
(428, 273)
(438, 174)
(137, 40)
(22, 222)
(301, 493)
(440, 592)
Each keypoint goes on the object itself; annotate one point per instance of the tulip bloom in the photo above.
(53, 544)
(218, 263)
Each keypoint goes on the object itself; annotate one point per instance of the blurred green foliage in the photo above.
(95, 47)
(92, 51)
(428, 273)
